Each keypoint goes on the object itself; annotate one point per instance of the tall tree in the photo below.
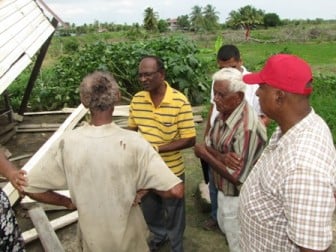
(150, 19)
(162, 25)
(183, 22)
(210, 17)
(196, 18)
(271, 20)
(246, 17)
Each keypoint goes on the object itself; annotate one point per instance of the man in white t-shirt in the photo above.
(228, 56)
(103, 166)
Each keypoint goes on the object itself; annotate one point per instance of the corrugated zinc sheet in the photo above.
(23, 30)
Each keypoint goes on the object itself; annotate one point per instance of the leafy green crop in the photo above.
(184, 70)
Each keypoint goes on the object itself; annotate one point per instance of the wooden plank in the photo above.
(58, 223)
(29, 40)
(38, 125)
(24, 29)
(16, 28)
(36, 130)
(7, 7)
(13, 72)
(21, 157)
(6, 128)
(41, 37)
(48, 237)
(13, 15)
(55, 112)
(68, 124)
(6, 137)
(197, 109)
(198, 118)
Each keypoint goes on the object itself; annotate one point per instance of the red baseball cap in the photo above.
(286, 72)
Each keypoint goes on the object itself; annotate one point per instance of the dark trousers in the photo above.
(165, 219)
(213, 195)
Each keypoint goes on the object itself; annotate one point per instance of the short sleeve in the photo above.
(130, 122)
(185, 121)
(153, 173)
(49, 172)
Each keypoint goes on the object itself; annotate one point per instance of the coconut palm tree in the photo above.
(245, 17)
(196, 18)
(210, 17)
(150, 19)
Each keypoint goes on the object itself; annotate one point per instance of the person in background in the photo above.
(228, 56)
(163, 116)
(232, 147)
(103, 166)
(287, 202)
(10, 234)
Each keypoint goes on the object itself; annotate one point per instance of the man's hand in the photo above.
(232, 160)
(139, 196)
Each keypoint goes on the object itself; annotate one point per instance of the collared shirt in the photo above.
(103, 167)
(170, 121)
(250, 97)
(288, 199)
(242, 133)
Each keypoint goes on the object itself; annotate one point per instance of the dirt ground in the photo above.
(27, 144)
(196, 239)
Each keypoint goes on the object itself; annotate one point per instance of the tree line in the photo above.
(199, 20)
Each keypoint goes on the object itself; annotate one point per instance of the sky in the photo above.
(132, 11)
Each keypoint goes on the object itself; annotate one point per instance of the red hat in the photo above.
(285, 72)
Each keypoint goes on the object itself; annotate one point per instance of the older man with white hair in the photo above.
(231, 148)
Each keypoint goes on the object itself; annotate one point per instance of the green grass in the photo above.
(321, 56)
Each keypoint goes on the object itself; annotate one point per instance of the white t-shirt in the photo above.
(250, 96)
(103, 167)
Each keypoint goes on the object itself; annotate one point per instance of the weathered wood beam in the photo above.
(68, 124)
(45, 231)
(58, 223)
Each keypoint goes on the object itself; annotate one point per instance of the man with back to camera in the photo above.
(287, 202)
(103, 166)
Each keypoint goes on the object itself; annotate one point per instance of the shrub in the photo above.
(58, 86)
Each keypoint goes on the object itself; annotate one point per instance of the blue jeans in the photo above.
(213, 196)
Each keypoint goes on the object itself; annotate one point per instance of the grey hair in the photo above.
(99, 91)
(234, 76)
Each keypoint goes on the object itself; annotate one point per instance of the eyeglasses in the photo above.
(146, 74)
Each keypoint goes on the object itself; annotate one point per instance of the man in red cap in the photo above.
(287, 202)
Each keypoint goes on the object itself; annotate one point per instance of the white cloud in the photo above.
(131, 11)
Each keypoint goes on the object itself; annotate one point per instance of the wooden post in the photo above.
(48, 237)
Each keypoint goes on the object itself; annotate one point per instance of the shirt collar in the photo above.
(168, 97)
(235, 116)
(278, 139)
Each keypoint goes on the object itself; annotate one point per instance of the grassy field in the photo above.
(321, 56)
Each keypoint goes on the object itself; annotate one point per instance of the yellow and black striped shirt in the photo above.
(170, 121)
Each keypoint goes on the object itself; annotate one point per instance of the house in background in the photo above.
(172, 24)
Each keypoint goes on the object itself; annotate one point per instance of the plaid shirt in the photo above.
(288, 199)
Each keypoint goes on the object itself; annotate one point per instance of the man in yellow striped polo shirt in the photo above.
(164, 118)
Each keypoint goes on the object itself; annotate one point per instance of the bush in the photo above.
(58, 86)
